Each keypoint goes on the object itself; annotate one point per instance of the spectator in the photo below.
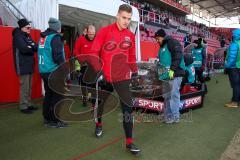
(222, 41)
(232, 64)
(145, 9)
(50, 56)
(187, 40)
(166, 20)
(23, 52)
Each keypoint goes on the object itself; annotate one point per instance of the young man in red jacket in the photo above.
(114, 45)
(83, 46)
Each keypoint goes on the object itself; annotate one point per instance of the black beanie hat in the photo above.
(23, 22)
(160, 33)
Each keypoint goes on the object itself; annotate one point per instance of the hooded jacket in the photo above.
(233, 50)
(23, 52)
(176, 51)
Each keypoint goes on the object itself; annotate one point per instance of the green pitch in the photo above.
(203, 136)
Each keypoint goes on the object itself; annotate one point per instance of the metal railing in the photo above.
(12, 9)
(149, 16)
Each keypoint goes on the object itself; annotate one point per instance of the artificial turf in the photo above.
(203, 136)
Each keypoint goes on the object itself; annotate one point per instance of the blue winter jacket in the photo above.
(233, 49)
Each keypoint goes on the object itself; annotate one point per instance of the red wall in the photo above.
(149, 50)
(9, 81)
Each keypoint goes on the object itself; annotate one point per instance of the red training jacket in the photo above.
(116, 50)
(82, 47)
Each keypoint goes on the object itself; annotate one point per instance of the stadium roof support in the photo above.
(164, 4)
(220, 8)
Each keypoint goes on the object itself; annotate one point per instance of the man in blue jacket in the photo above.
(50, 56)
(232, 64)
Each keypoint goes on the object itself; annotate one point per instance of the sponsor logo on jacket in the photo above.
(42, 42)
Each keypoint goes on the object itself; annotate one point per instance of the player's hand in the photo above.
(134, 75)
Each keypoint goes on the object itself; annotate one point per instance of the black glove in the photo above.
(135, 79)
(134, 75)
(101, 79)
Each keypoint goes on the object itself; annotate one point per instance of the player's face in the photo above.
(91, 33)
(123, 19)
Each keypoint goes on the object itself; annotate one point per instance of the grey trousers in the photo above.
(25, 90)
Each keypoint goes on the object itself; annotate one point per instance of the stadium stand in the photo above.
(153, 18)
(149, 14)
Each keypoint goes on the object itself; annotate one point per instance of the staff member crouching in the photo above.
(170, 56)
(50, 56)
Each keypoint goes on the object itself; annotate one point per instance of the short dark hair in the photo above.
(125, 7)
